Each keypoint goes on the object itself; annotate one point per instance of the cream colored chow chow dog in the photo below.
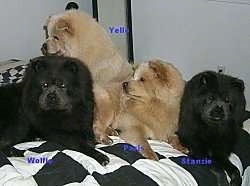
(149, 106)
(75, 34)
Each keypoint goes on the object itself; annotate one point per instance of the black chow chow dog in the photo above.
(211, 116)
(54, 102)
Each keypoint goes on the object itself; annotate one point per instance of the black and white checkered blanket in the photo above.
(12, 71)
(48, 164)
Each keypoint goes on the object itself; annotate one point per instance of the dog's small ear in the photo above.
(155, 65)
(159, 70)
(204, 80)
(206, 77)
(64, 25)
(238, 83)
(37, 64)
(72, 66)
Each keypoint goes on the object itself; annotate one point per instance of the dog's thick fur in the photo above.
(212, 112)
(149, 106)
(74, 33)
(54, 102)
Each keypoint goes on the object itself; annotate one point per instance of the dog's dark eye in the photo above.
(142, 79)
(56, 38)
(62, 85)
(44, 85)
(210, 99)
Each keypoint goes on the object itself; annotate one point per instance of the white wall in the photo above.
(113, 13)
(195, 35)
(21, 25)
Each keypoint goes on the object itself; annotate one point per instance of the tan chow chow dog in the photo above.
(149, 106)
(75, 34)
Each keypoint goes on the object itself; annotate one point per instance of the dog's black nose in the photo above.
(52, 98)
(44, 49)
(125, 85)
(218, 112)
(45, 46)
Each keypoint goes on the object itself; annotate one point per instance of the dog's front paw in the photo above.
(102, 159)
(149, 154)
(104, 139)
(176, 144)
(111, 132)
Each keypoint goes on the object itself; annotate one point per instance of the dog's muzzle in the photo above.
(125, 87)
(217, 113)
(52, 100)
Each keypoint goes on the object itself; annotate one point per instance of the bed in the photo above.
(49, 164)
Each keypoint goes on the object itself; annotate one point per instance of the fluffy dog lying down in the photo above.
(149, 106)
(54, 102)
(212, 112)
(75, 34)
